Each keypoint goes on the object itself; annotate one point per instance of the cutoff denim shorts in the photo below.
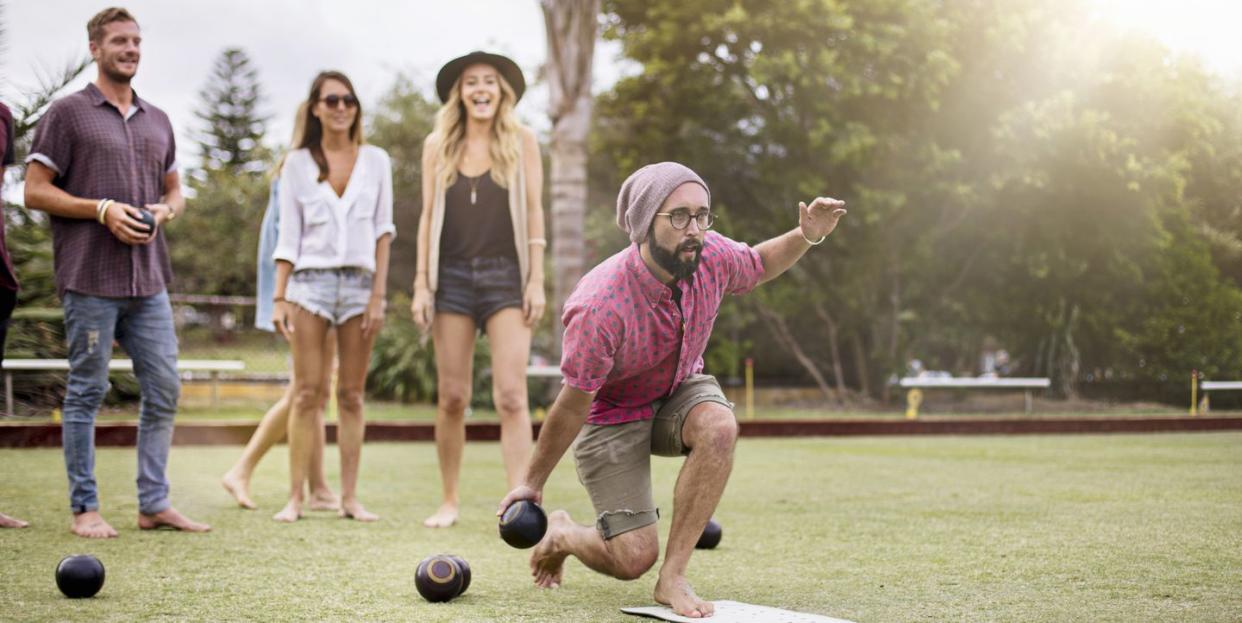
(334, 294)
(478, 287)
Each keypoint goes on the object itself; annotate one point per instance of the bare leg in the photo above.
(321, 496)
(12, 522)
(271, 430)
(710, 431)
(307, 343)
(510, 340)
(92, 526)
(626, 556)
(355, 353)
(453, 335)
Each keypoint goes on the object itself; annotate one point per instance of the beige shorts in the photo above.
(614, 460)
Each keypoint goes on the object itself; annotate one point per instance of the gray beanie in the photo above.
(644, 192)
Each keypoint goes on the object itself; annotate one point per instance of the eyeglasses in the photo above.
(680, 219)
(335, 101)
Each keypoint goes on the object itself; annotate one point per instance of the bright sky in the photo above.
(1209, 28)
(371, 40)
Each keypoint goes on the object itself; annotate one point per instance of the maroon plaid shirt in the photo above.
(97, 153)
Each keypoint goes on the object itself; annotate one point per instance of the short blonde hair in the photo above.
(95, 27)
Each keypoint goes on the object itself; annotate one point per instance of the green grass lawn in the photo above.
(1033, 528)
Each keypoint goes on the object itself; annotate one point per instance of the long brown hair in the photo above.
(312, 138)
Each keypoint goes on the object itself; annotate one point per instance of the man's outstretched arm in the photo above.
(814, 223)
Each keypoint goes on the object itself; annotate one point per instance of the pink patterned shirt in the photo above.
(626, 337)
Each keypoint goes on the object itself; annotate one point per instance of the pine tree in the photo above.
(232, 139)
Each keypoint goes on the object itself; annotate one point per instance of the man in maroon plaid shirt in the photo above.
(101, 158)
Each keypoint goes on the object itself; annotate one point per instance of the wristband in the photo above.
(543, 242)
(809, 241)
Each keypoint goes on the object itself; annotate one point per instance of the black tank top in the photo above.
(479, 228)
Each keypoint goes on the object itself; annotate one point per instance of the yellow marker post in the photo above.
(1194, 392)
(750, 388)
(56, 415)
(914, 398)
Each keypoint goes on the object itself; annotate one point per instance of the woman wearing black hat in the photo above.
(480, 256)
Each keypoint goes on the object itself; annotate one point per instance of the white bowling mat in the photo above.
(735, 612)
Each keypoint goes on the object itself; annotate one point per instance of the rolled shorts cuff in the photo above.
(615, 523)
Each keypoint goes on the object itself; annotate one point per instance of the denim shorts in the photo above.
(334, 294)
(478, 287)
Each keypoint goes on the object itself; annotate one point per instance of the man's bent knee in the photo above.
(634, 553)
(713, 428)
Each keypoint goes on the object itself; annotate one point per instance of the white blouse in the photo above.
(318, 229)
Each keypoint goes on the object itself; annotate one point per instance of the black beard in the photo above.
(669, 261)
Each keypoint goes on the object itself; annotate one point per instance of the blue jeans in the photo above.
(144, 327)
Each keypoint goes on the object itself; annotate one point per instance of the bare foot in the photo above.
(324, 500)
(170, 518)
(354, 510)
(445, 517)
(547, 560)
(11, 522)
(676, 593)
(239, 488)
(92, 526)
(290, 513)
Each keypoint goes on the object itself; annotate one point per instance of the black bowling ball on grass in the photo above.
(523, 524)
(438, 578)
(711, 535)
(464, 568)
(80, 576)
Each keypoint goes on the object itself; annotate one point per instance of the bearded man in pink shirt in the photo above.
(636, 327)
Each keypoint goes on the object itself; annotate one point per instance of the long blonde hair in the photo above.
(299, 131)
(449, 136)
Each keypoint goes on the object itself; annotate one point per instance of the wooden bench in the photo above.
(1026, 384)
(212, 366)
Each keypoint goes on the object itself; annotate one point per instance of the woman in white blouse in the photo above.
(331, 268)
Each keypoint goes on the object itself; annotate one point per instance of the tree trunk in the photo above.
(780, 329)
(860, 363)
(894, 300)
(571, 29)
(834, 346)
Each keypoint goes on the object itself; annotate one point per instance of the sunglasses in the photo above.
(335, 101)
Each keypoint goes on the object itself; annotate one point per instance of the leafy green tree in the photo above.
(1017, 172)
(233, 127)
(229, 192)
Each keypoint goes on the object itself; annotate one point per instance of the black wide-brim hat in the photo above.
(452, 71)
